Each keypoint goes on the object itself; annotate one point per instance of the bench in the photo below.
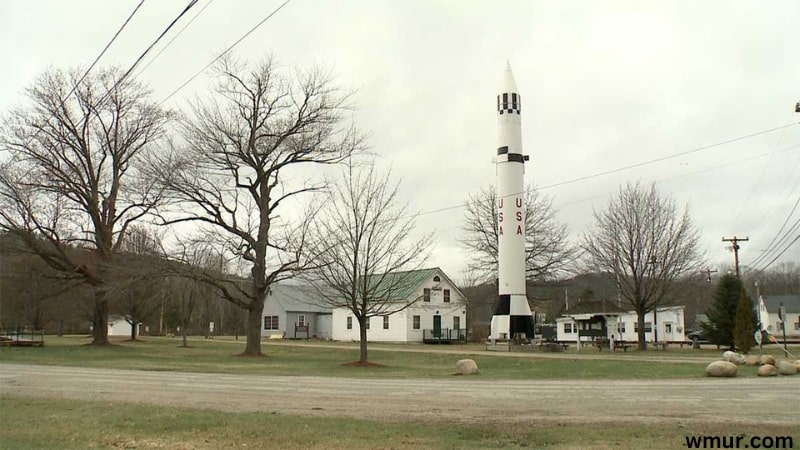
(659, 345)
(622, 345)
(553, 346)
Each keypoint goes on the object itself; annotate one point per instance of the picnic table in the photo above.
(622, 345)
(553, 346)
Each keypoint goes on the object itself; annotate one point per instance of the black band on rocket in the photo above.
(516, 157)
(503, 307)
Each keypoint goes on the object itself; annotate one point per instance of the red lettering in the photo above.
(519, 202)
(501, 231)
(500, 204)
(519, 216)
(519, 229)
(500, 216)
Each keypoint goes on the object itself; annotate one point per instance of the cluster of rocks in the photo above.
(769, 365)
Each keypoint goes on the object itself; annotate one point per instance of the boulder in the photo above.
(752, 360)
(767, 359)
(767, 370)
(733, 357)
(786, 367)
(721, 369)
(467, 367)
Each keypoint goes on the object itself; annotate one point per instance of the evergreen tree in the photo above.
(744, 328)
(722, 313)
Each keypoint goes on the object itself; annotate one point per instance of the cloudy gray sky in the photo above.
(605, 85)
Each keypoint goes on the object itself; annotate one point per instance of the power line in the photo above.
(275, 11)
(779, 254)
(664, 158)
(770, 247)
(585, 199)
(173, 38)
(620, 169)
(147, 50)
(124, 24)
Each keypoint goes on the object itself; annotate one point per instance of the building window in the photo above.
(301, 320)
(385, 322)
(366, 323)
(426, 295)
(436, 279)
(620, 327)
(796, 326)
(779, 326)
(668, 327)
(415, 322)
(349, 322)
(271, 323)
(568, 327)
(648, 327)
(456, 322)
(446, 294)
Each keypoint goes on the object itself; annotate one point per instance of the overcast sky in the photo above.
(605, 85)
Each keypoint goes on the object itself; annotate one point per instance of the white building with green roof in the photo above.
(438, 312)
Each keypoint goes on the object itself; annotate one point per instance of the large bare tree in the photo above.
(646, 243)
(239, 174)
(548, 250)
(71, 186)
(364, 245)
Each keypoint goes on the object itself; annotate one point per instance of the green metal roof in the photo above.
(401, 285)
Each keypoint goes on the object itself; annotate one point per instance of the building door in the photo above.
(437, 326)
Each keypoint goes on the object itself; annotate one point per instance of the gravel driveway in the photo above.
(461, 399)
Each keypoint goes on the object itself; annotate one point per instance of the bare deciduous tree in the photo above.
(72, 187)
(363, 245)
(646, 243)
(548, 251)
(239, 171)
(137, 286)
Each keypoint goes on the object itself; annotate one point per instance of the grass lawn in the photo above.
(219, 356)
(27, 423)
(85, 424)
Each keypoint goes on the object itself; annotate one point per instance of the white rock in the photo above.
(767, 370)
(733, 357)
(721, 369)
(786, 367)
(467, 367)
(752, 360)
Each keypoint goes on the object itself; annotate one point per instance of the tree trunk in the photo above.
(183, 335)
(133, 330)
(253, 332)
(640, 334)
(362, 323)
(100, 318)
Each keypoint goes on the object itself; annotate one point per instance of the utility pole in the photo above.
(708, 274)
(735, 241)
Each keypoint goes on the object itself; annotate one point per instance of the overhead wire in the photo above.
(96, 60)
(173, 38)
(147, 50)
(623, 168)
(758, 271)
(224, 52)
(606, 194)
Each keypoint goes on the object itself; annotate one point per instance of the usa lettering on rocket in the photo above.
(512, 316)
(518, 214)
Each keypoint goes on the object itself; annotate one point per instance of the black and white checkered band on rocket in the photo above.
(509, 107)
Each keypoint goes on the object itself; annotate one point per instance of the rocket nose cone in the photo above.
(509, 84)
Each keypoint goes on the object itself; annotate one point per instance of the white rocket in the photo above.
(512, 315)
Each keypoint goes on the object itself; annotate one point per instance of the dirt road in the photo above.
(460, 399)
